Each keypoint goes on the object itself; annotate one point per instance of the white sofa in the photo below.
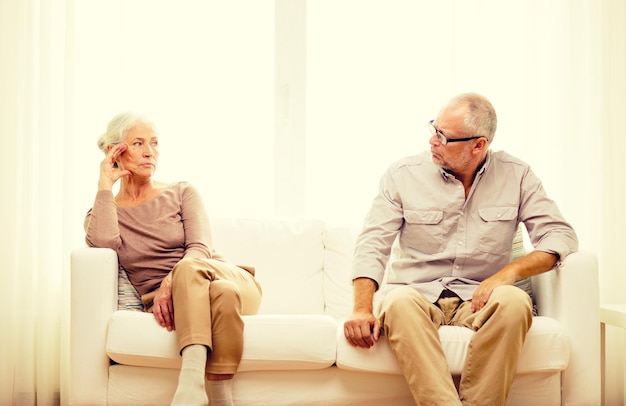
(294, 349)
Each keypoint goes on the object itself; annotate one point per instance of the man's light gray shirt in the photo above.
(447, 241)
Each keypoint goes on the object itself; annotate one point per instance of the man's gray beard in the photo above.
(436, 162)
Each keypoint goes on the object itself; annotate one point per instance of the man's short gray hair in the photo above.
(481, 119)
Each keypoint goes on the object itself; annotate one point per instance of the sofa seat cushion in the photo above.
(271, 342)
(546, 349)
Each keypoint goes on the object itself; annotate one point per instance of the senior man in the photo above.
(453, 212)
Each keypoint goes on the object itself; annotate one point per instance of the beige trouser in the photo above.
(209, 298)
(411, 324)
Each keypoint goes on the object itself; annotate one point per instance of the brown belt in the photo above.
(447, 293)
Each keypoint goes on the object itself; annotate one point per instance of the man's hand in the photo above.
(163, 305)
(362, 329)
(531, 264)
(486, 287)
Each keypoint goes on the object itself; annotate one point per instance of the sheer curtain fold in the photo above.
(34, 164)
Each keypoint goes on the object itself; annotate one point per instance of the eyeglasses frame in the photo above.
(445, 140)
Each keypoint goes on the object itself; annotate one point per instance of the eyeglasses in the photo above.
(442, 137)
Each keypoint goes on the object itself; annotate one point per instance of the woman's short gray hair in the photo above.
(117, 127)
(481, 119)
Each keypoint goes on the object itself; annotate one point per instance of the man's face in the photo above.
(454, 156)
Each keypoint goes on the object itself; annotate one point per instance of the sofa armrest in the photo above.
(93, 299)
(570, 294)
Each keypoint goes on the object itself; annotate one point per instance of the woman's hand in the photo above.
(163, 305)
(109, 174)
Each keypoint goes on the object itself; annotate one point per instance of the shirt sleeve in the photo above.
(198, 239)
(101, 226)
(380, 229)
(547, 228)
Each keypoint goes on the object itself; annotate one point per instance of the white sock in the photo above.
(221, 392)
(190, 390)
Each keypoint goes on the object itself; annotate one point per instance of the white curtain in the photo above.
(35, 109)
(374, 71)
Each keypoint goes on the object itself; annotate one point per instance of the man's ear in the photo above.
(481, 144)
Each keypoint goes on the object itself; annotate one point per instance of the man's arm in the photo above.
(362, 329)
(551, 235)
(534, 263)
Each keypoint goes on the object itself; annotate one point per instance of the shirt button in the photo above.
(456, 267)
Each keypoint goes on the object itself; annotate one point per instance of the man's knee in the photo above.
(406, 302)
(401, 297)
(512, 299)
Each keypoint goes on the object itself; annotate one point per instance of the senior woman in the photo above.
(161, 234)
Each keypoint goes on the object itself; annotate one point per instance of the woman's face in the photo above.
(141, 156)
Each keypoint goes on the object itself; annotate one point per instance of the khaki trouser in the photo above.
(411, 324)
(209, 298)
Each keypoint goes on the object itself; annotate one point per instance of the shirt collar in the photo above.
(485, 165)
(447, 175)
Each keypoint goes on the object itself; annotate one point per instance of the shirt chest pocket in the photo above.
(497, 228)
(423, 230)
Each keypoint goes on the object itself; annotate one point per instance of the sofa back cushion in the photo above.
(338, 296)
(288, 256)
(303, 267)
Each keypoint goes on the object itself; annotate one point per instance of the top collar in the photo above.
(447, 175)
